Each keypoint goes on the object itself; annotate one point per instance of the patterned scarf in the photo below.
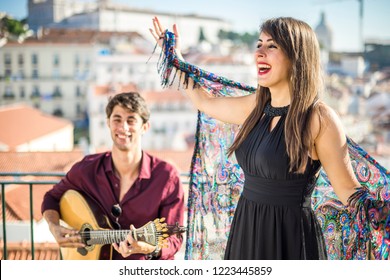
(360, 230)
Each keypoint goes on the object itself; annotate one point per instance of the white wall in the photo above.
(60, 140)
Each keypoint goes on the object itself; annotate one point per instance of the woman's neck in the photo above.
(280, 97)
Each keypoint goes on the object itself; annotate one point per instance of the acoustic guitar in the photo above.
(83, 214)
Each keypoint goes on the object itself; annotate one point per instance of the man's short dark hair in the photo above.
(132, 101)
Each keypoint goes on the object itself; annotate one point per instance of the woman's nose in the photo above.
(260, 52)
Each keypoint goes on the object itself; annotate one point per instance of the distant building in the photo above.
(353, 66)
(25, 129)
(105, 15)
(377, 54)
(325, 39)
(53, 72)
(324, 34)
(347, 64)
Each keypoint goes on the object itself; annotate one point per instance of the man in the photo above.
(131, 186)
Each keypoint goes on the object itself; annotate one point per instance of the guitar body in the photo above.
(84, 215)
(78, 213)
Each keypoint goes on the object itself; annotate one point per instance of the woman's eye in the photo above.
(272, 47)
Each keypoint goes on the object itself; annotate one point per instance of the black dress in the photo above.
(273, 219)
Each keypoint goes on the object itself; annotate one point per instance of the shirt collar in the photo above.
(146, 161)
(146, 166)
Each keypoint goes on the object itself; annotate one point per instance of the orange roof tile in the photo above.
(180, 159)
(22, 251)
(38, 161)
(79, 36)
(17, 199)
(21, 124)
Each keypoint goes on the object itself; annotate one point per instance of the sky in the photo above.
(246, 15)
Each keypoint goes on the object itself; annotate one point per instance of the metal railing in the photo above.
(19, 180)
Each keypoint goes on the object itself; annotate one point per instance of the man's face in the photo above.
(126, 128)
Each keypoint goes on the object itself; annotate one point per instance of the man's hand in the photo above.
(130, 246)
(65, 237)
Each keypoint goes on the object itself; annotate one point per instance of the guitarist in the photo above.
(130, 186)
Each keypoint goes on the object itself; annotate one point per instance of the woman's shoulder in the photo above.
(324, 113)
(323, 117)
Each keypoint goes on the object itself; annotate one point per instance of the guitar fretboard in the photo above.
(116, 236)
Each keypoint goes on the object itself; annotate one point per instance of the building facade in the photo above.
(108, 16)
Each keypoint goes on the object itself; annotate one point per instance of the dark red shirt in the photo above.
(157, 192)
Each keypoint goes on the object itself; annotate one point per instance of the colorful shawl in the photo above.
(359, 231)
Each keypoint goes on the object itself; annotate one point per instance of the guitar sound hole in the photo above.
(86, 235)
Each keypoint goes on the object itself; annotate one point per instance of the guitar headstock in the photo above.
(156, 232)
(176, 229)
(162, 232)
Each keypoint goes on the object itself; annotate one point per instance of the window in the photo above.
(78, 91)
(35, 92)
(7, 59)
(58, 112)
(34, 59)
(77, 60)
(57, 92)
(22, 92)
(78, 108)
(8, 94)
(21, 59)
(7, 73)
(56, 60)
(35, 74)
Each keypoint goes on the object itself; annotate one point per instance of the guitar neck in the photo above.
(111, 236)
(152, 233)
(105, 236)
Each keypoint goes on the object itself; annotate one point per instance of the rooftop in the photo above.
(21, 124)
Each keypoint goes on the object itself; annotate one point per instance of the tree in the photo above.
(14, 30)
(202, 37)
(246, 38)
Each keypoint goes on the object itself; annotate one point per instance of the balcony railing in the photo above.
(18, 179)
(40, 178)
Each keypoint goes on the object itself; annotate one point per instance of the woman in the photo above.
(287, 134)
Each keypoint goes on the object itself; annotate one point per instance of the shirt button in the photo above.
(116, 185)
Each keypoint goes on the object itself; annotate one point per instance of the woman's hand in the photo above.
(130, 246)
(158, 33)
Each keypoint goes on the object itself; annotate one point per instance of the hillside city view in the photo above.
(58, 67)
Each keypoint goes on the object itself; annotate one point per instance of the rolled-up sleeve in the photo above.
(52, 198)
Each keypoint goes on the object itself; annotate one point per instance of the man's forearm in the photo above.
(52, 217)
